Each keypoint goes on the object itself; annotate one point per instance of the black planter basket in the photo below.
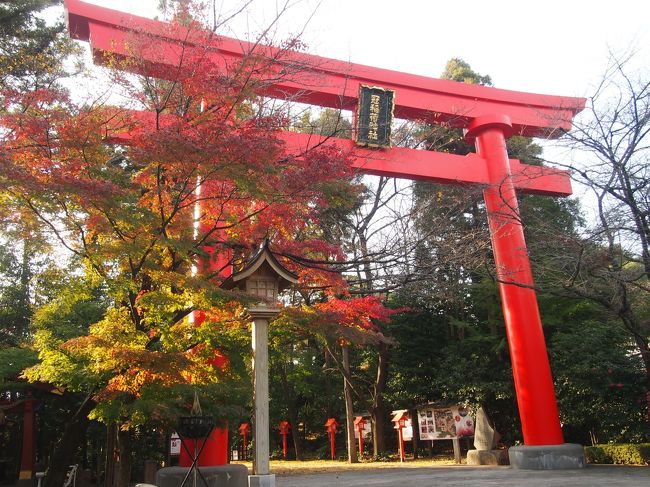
(195, 427)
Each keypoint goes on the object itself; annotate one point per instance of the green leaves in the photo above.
(13, 361)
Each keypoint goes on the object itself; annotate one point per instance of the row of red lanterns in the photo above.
(245, 428)
(331, 427)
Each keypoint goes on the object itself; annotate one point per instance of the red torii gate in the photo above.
(488, 115)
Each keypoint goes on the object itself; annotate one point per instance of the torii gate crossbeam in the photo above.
(489, 115)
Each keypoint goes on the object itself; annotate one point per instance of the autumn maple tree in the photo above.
(157, 195)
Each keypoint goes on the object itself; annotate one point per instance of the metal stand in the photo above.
(195, 427)
(194, 467)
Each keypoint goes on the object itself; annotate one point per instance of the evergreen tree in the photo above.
(32, 51)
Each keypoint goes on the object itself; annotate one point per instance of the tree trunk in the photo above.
(349, 411)
(295, 435)
(111, 449)
(124, 443)
(378, 435)
(328, 384)
(65, 451)
(378, 406)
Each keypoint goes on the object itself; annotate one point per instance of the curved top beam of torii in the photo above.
(332, 83)
(336, 83)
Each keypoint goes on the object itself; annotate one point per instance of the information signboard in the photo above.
(444, 423)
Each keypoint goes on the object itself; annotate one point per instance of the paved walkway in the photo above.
(593, 475)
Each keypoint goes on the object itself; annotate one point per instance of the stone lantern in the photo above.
(262, 278)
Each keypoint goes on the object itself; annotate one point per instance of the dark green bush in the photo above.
(624, 454)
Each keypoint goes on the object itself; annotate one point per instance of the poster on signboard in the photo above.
(444, 423)
(407, 430)
(174, 444)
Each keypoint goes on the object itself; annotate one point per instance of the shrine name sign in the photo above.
(374, 116)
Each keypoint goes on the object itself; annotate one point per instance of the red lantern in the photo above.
(360, 424)
(284, 431)
(244, 429)
(331, 426)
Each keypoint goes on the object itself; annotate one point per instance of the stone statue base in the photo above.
(487, 457)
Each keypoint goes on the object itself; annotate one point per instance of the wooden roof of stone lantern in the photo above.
(265, 265)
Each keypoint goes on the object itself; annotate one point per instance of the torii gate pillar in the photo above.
(544, 443)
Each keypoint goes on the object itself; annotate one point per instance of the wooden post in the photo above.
(401, 443)
(456, 443)
(284, 431)
(416, 433)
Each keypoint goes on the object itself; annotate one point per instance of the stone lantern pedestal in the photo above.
(262, 277)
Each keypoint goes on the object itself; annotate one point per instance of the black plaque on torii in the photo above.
(374, 116)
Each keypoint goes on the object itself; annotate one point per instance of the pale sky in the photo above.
(557, 47)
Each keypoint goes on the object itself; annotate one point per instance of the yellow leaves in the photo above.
(103, 350)
(120, 359)
(54, 365)
(117, 327)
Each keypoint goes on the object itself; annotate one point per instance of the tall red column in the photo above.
(530, 367)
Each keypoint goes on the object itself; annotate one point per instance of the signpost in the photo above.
(444, 423)
(400, 418)
(175, 445)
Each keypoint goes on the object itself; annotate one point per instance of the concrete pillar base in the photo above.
(487, 457)
(261, 480)
(547, 457)
(220, 476)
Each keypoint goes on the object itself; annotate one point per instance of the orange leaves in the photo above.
(51, 147)
(356, 320)
(365, 312)
(199, 177)
(142, 368)
(230, 312)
